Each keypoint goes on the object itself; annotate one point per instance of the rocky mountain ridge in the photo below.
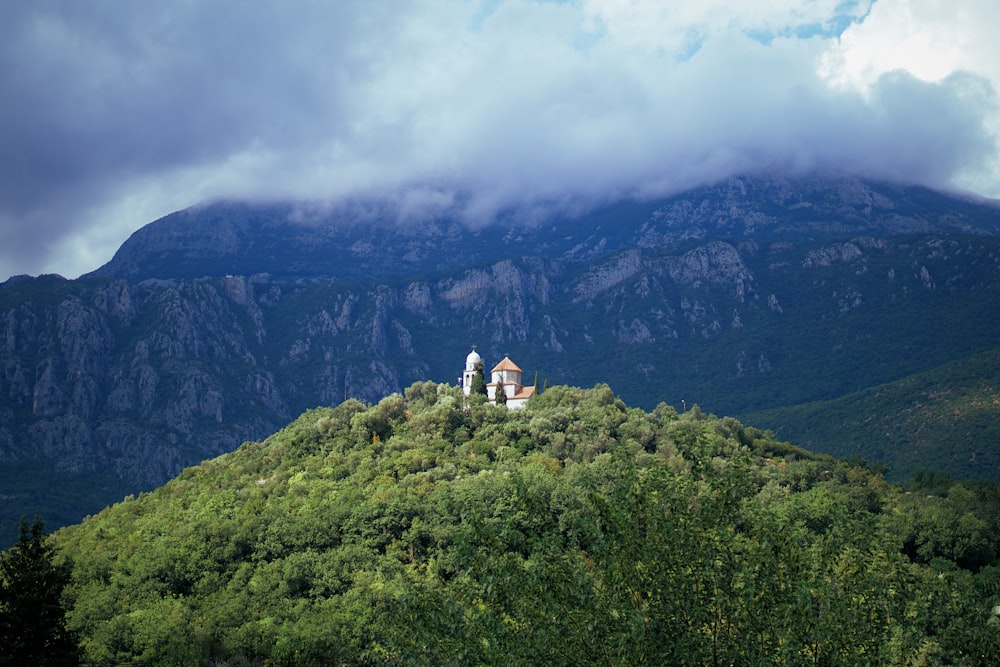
(140, 376)
(370, 242)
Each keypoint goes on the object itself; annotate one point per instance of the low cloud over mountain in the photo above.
(117, 113)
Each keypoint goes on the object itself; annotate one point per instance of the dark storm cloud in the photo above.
(115, 112)
(100, 93)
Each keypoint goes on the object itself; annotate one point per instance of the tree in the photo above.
(501, 395)
(32, 620)
(478, 380)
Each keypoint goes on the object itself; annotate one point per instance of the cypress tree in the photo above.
(478, 381)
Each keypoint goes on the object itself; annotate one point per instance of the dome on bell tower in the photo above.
(472, 360)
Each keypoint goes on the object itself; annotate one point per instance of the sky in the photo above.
(114, 113)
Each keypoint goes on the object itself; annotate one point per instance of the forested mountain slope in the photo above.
(425, 531)
(946, 419)
(743, 297)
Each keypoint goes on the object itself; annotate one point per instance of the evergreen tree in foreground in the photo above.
(479, 381)
(32, 620)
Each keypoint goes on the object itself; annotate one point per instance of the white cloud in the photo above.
(929, 39)
(122, 112)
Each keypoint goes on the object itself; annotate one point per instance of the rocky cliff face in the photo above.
(737, 298)
(130, 378)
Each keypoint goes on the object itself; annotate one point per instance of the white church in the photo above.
(505, 377)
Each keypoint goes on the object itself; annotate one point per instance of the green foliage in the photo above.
(430, 530)
(501, 394)
(32, 619)
(946, 420)
(479, 380)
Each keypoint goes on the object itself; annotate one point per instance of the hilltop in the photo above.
(578, 530)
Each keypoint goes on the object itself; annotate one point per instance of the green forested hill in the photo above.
(421, 531)
(947, 419)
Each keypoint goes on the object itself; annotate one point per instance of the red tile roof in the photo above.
(525, 393)
(506, 365)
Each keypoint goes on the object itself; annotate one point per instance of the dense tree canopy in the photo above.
(433, 529)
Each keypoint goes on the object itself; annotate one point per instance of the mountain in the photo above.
(371, 243)
(945, 419)
(218, 324)
(431, 530)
